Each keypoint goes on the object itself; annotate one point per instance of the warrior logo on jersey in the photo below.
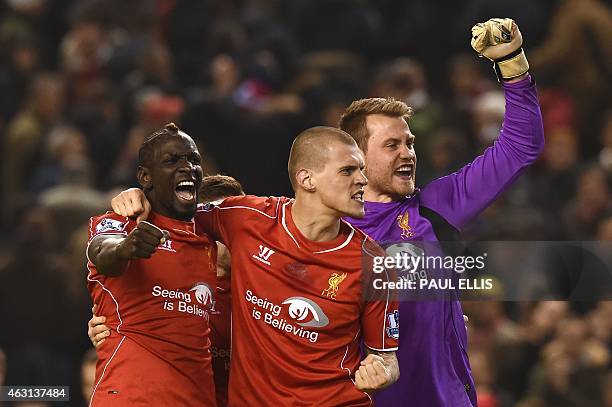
(109, 224)
(402, 222)
(334, 281)
(203, 295)
(393, 328)
(264, 254)
(300, 308)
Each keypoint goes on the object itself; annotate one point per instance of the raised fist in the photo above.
(500, 40)
(142, 241)
(496, 38)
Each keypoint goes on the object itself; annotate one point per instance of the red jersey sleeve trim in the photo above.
(384, 349)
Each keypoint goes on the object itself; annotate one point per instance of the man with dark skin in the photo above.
(299, 239)
(154, 281)
(213, 188)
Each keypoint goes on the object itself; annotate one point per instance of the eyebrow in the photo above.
(360, 166)
(397, 139)
(186, 155)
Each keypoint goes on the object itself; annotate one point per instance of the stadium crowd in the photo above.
(83, 82)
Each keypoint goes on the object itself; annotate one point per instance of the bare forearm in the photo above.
(104, 254)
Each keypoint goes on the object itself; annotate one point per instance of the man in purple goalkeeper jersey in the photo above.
(434, 367)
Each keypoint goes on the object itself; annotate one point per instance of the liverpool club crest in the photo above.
(334, 281)
(402, 222)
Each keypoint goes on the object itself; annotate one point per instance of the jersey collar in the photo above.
(302, 242)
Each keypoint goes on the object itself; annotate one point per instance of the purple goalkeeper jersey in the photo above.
(434, 367)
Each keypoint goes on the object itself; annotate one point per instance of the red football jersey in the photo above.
(158, 311)
(299, 311)
(220, 336)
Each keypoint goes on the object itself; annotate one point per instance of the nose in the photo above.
(406, 152)
(186, 165)
(361, 179)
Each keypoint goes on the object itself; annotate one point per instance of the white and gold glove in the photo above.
(500, 41)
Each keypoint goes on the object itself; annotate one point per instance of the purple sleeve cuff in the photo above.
(522, 84)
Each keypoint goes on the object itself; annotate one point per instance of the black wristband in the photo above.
(509, 56)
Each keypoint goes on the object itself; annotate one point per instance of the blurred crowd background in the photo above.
(83, 82)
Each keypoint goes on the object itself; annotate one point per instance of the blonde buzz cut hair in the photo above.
(353, 120)
(310, 149)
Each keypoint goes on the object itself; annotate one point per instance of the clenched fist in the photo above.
(500, 40)
(372, 375)
(141, 242)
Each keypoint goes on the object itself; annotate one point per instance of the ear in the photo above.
(305, 180)
(144, 178)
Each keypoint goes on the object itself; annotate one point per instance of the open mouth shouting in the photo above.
(405, 172)
(358, 196)
(186, 191)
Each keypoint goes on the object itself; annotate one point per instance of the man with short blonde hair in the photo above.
(433, 341)
(353, 121)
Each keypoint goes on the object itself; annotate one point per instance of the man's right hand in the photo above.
(96, 330)
(132, 202)
(141, 242)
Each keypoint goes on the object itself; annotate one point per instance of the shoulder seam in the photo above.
(246, 207)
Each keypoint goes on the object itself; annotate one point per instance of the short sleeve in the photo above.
(109, 224)
(380, 317)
